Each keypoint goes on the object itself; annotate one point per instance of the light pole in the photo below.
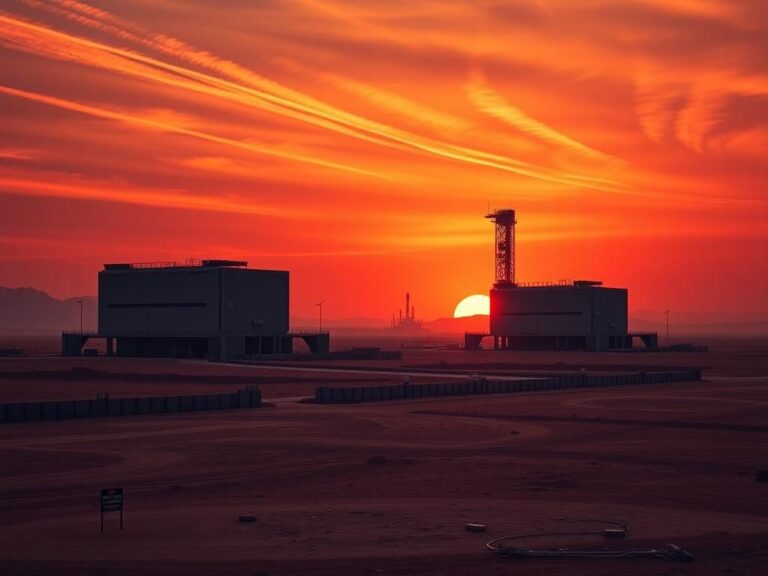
(81, 314)
(666, 312)
(320, 305)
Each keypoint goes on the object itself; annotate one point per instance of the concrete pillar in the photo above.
(71, 344)
(223, 349)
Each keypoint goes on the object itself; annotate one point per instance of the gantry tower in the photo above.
(505, 246)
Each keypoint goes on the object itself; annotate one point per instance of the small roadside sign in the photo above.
(111, 500)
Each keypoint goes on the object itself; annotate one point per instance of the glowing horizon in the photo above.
(359, 146)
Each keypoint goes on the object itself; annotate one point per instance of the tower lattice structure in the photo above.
(504, 220)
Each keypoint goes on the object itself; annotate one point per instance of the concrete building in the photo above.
(580, 315)
(216, 309)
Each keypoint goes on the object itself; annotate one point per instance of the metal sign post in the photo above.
(111, 501)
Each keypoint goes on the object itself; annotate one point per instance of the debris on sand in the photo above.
(246, 518)
(475, 527)
(762, 475)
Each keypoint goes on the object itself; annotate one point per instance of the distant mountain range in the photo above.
(479, 323)
(703, 323)
(29, 311)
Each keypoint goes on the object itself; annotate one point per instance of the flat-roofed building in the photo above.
(582, 315)
(215, 308)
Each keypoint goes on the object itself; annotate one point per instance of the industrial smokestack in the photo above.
(407, 304)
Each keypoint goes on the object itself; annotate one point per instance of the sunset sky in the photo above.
(359, 145)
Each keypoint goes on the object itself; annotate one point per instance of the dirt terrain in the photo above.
(387, 487)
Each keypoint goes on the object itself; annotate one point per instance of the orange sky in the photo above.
(358, 145)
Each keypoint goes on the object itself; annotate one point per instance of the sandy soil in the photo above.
(677, 462)
(39, 379)
(55, 378)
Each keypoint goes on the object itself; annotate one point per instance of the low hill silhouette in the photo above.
(28, 311)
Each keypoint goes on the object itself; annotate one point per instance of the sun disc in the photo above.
(472, 306)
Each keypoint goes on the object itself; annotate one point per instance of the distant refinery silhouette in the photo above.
(407, 321)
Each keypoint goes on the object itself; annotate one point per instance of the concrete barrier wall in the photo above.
(128, 406)
(200, 403)
(66, 409)
(143, 405)
(50, 410)
(114, 408)
(60, 410)
(330, 395)
(82, 408)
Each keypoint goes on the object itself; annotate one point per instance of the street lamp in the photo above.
(320, 305)
(81, 314)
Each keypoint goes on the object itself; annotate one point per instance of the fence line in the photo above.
(106, 406)
(481, 385)
(251, 397)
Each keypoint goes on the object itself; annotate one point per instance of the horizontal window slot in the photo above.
(542, 313)
(159, 305)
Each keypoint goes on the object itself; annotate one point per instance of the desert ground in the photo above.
(387, 487)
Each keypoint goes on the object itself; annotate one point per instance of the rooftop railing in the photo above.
(189, 263)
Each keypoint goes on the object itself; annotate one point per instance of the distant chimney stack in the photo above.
(407, 305)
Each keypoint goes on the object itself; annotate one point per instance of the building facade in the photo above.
(216, 309)
(582, 315)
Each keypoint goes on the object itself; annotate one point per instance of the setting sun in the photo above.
(472, 306)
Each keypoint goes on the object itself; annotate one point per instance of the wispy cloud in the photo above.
(69, 186)
(17, 154)
(151, 121)
(266, 95)
(491, 102)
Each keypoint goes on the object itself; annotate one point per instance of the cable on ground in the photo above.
(501, 547)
